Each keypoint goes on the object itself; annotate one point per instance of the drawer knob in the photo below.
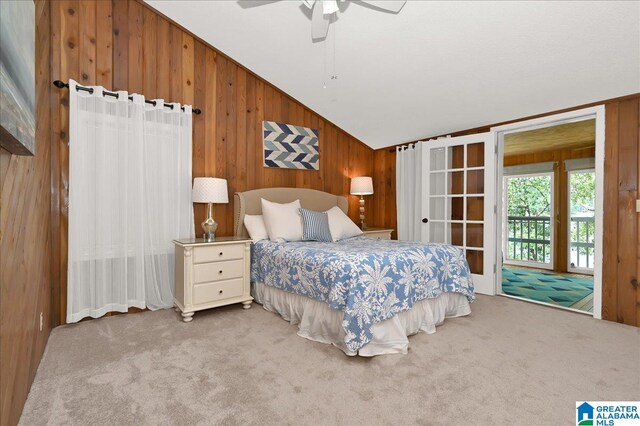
(220, 271)
(220, 292)
(220, 254)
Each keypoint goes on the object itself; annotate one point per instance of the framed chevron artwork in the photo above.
(290, 147)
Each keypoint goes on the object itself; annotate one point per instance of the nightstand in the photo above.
(380, 233)
(211, 274)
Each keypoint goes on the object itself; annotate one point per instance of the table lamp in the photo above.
(362, 186)
(209, 190)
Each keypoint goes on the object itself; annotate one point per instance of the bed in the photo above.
(362, 295)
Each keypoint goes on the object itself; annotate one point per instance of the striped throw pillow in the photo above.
(315, 226)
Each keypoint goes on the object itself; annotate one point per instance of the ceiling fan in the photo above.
(322, 10)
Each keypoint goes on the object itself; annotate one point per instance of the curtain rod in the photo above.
(61, 84)
(402, 148)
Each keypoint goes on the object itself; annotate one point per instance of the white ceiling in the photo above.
(434, 68)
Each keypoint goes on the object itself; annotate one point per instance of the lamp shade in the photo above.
(209, 190)
(361, 185)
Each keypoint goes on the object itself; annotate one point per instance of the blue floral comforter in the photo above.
(370, 280)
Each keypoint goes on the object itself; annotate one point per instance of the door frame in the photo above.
(597, 113)
(552, 225)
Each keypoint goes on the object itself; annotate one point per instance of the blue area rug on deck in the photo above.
(543, 286)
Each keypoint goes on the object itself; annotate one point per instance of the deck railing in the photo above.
(529, 238)
(582, 242)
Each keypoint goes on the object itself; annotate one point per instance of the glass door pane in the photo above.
(528, 211)
(582, 189)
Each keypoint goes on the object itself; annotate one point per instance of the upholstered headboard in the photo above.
(248, 202)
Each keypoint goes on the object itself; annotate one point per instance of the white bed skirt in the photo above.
(317, 322)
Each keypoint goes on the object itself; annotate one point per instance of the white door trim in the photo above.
(597, 113)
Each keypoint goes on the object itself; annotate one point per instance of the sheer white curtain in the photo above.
(409, 191)
(129, 196)
(168, 209)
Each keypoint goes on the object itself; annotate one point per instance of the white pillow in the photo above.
(282, 220)
(255, 227)
(340, 225)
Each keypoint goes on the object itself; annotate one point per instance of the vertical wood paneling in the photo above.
(628, 142)
(228, 164)
(259, 181)
(120, 25)
(104, 44)
(135, 48)
(69, 68)
(163, 62)
(188, 69)
(25, 243)
(56, 190)
(241, 130)
(87, 42)
(251, 124)
(610, 225)
(210, 113)
(199, 128)
(149, 57)
(175, 79)
(222, 110)
(637, 275)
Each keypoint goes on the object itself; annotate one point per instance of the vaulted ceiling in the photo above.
(434, 68)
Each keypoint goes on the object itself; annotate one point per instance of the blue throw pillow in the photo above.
(315, 226)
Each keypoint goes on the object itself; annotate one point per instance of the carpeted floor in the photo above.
(546, 286)
(510, 362)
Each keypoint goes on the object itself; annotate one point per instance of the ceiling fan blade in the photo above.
(329, 6)
(391, 6)
(319, 22)
(308, 3)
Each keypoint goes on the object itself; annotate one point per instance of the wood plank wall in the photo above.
(125, 45)
(621, 263)
(25, 247)
(621, 245)
(561, 201)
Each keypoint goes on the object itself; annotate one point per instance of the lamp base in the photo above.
(362, 224)
(209, 237)
(209, 226)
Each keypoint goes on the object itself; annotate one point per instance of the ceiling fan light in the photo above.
(329, 6)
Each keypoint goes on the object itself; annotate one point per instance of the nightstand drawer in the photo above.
(381, 235)
(217, 271)
(218, 252)
(210, 292)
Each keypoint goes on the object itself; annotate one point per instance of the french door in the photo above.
(458, 202)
